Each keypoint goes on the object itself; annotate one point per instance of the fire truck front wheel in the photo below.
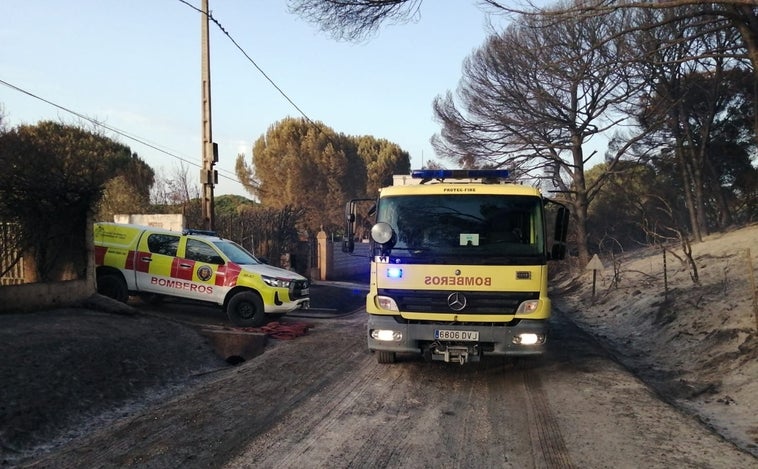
(113, 285)
(246, 309)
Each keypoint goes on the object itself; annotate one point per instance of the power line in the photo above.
(112, 129)
(153, 146)
(247, 56)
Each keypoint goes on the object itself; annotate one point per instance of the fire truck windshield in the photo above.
(475, 226)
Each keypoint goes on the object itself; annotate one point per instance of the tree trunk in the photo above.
(580, 211)
(697, 189)
(685, 161)
(745, 19)
(687, 189)
(725, 214)
(580, 202)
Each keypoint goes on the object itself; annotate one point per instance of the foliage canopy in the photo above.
(308, 166)
(54, 178)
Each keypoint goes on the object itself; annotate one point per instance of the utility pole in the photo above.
(208, 176)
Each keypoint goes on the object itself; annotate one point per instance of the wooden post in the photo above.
(595, 264)
(210, 156)
(594, 281)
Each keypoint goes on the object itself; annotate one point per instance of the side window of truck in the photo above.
(199, 251)
(166, 245)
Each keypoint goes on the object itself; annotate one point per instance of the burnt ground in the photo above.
(78, 371)
(67, 371)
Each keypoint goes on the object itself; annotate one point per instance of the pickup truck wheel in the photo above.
(246, 309)
(383, 356)
(113, 286)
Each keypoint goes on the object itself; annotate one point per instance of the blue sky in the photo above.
(135, 65)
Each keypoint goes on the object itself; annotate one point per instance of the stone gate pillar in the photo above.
(325, 256)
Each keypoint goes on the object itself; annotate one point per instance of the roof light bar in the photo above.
(429, 174)
(192, 231)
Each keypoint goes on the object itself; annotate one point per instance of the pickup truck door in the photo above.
(198, 266)
(154, 262)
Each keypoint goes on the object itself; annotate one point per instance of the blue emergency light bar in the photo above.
(191, 231)
(429, 174)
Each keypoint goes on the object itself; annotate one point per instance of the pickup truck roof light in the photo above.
(190, 231)
(442, 174)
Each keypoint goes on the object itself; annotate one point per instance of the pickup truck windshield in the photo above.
(236, 253)
(481, 228)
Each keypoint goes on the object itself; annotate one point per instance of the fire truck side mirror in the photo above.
(348, 245)
(558, 252)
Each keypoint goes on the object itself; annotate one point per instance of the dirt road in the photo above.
(323, 401)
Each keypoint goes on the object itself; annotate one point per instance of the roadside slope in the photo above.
(696, 344)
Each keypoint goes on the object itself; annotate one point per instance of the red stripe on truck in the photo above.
(141, 261)
(182, 268)
(100, 254)
(227, 274)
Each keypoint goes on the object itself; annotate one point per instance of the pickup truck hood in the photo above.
(271, 271)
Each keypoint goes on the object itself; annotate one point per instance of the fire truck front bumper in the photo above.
(522, 338)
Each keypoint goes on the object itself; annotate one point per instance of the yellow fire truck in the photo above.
(195, 265)
(458, 266)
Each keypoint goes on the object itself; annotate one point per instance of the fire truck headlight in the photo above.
(385, 302)
(386, 335)
(528, 306)
(276, 282)
(381, 233)
(529, 339)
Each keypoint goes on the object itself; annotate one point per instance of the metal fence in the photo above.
(11, 260)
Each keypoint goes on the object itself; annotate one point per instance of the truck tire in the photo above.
(383, 357)
(113, 286)
(246, 309)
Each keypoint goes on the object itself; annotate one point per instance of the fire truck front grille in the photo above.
(423, 301)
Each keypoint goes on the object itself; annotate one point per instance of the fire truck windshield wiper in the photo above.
(510, 260)
(412, 249)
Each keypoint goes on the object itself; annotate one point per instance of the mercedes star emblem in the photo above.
(456, 301)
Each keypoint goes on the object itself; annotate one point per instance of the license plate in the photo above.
(465, 336)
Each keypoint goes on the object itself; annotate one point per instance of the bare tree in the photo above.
(736, 19)
(533, 97)
(666, 230)
(357, 19)
(174, 189)
(177, 192)
(740, 16)
(692, 87)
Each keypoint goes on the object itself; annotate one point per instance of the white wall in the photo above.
(173, 222)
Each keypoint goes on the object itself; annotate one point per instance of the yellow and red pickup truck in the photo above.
(196, 265)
